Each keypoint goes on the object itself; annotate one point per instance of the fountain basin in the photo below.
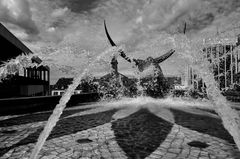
(11, 106)
(143, 132)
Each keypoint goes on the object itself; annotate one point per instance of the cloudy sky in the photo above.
(69, 32)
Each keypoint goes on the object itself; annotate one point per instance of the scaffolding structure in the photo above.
(225, 62)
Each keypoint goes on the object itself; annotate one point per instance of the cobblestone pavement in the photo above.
(105, 132)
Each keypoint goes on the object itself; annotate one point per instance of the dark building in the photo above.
(33, 81)
(10, 45)
(61, 85)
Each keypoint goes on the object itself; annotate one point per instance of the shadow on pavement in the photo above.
(66, 126)
(36, 117)
(202, 123)
(140, 133)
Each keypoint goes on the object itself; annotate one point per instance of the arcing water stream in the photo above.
(62, 104)
(191, 51)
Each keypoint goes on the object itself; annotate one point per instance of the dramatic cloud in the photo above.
(18, 12)
(67, 27)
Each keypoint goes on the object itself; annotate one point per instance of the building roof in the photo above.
(4, 32)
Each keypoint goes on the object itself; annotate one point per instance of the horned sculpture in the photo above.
(157, 84)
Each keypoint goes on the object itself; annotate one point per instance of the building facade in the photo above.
(33, 81)
(225, 62)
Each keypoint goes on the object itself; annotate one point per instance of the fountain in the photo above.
(193, 52)
(62, 104)
(189, 49)
(156, 85)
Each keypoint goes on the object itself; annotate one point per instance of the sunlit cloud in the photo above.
(139, 25)
(18, 12)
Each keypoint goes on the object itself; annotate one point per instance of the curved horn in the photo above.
(108, 36)
(164, 57)
(122, 53)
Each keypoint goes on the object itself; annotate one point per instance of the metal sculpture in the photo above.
(156, 85)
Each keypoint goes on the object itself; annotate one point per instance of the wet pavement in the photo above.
(105, 132)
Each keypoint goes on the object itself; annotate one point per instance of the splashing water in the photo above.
(192, 51)
(159, 107)
(62, 104)
(113, 87)
(166, 102)
(15, 65)
(137, 73)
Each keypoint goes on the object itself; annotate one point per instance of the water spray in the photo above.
(62, 104)
(193, 52)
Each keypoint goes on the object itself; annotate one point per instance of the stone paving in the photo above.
(97, 132)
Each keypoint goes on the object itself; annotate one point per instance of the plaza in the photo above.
(98, 131)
